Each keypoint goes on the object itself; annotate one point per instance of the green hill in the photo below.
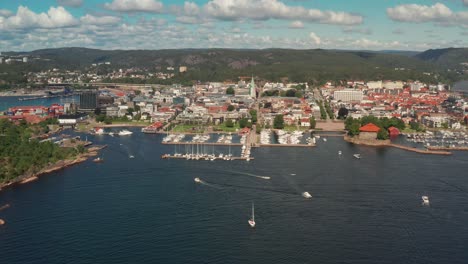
(271, 64)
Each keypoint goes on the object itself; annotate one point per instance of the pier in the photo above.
(45, 97)
(167, 156)
(287, 145)
(434, 152)
(202, 143)
(447, 148)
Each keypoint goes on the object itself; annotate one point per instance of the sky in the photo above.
(417, 25)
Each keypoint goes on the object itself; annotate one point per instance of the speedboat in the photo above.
(306, 195)
(197, 180)
(125, 132)
(425, 200)
(131, 156)
(357, 156)
(339, 152)
(98, 159)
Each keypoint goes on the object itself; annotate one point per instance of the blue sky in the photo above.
(301, 24)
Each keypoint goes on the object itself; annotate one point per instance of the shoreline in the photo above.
(59, 165)
(388, 143)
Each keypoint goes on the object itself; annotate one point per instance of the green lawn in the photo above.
(294, 128)
(222, 127)
(188, 129)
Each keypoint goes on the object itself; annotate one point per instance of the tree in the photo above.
(382, 134)
(231, 108)
(253, 114)
(313, 123)
(342, 113)
(230, 90)
(353, 129)
(244, 122)
(278, 122)
(229, 123)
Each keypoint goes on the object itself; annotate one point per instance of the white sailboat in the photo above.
(252, 220)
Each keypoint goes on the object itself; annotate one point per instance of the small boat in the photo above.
(125, 132)
(252, 220)
(131, 156)
(98, 159)
(357, 156)
(339, 152)
(324, 140)
(425, 200)
(197, 180)
(293, 174)
(306, 195)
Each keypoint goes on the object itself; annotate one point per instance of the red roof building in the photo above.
(369, 128)
(393, 131)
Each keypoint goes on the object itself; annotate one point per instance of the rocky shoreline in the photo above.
(92, 151)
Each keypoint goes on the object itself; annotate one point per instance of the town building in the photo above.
(88, 101)
(368, 132)
(348, 95)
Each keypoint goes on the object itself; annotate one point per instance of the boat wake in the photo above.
(249, 174)
(200, 181)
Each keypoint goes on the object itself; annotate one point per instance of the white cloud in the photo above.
(296, 24)
(24, 18)
(151, 6)
(5, 13)
(437, 13)
(99, 20)
(419, 13)
(275, 9)
(315, 38)
(72, 3)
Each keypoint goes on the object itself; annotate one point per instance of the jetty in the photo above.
(447, 148)
(201, 143)
(288, 145)
(422, 151)
(168, 156)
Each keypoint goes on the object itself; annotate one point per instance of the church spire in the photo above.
(253, 93)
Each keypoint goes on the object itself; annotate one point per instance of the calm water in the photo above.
(148, 210)
(10, 101)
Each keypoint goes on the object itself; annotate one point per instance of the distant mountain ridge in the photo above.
(271, 64)
(449, 58)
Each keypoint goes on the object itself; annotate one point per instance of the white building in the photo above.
(374, 85)
(348, 95)
(182, 69)
(416, 86)
(393, 85)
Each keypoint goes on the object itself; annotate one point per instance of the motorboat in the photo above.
(306, 195)
(252, 220)
(425, 200)
(98, 159)
(339, 152)
(357, 156)
(131, 156)
(197, 180)
(125, 132)
(99, 131)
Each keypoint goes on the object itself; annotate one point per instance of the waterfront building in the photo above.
(348, 95)
(368, 132)
(88, 101)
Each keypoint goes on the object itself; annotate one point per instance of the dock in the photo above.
(422, 151)
(204, 143)
(287, 145)
(447, 148)
(168, 156)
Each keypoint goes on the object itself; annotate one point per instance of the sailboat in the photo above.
(252, 220)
